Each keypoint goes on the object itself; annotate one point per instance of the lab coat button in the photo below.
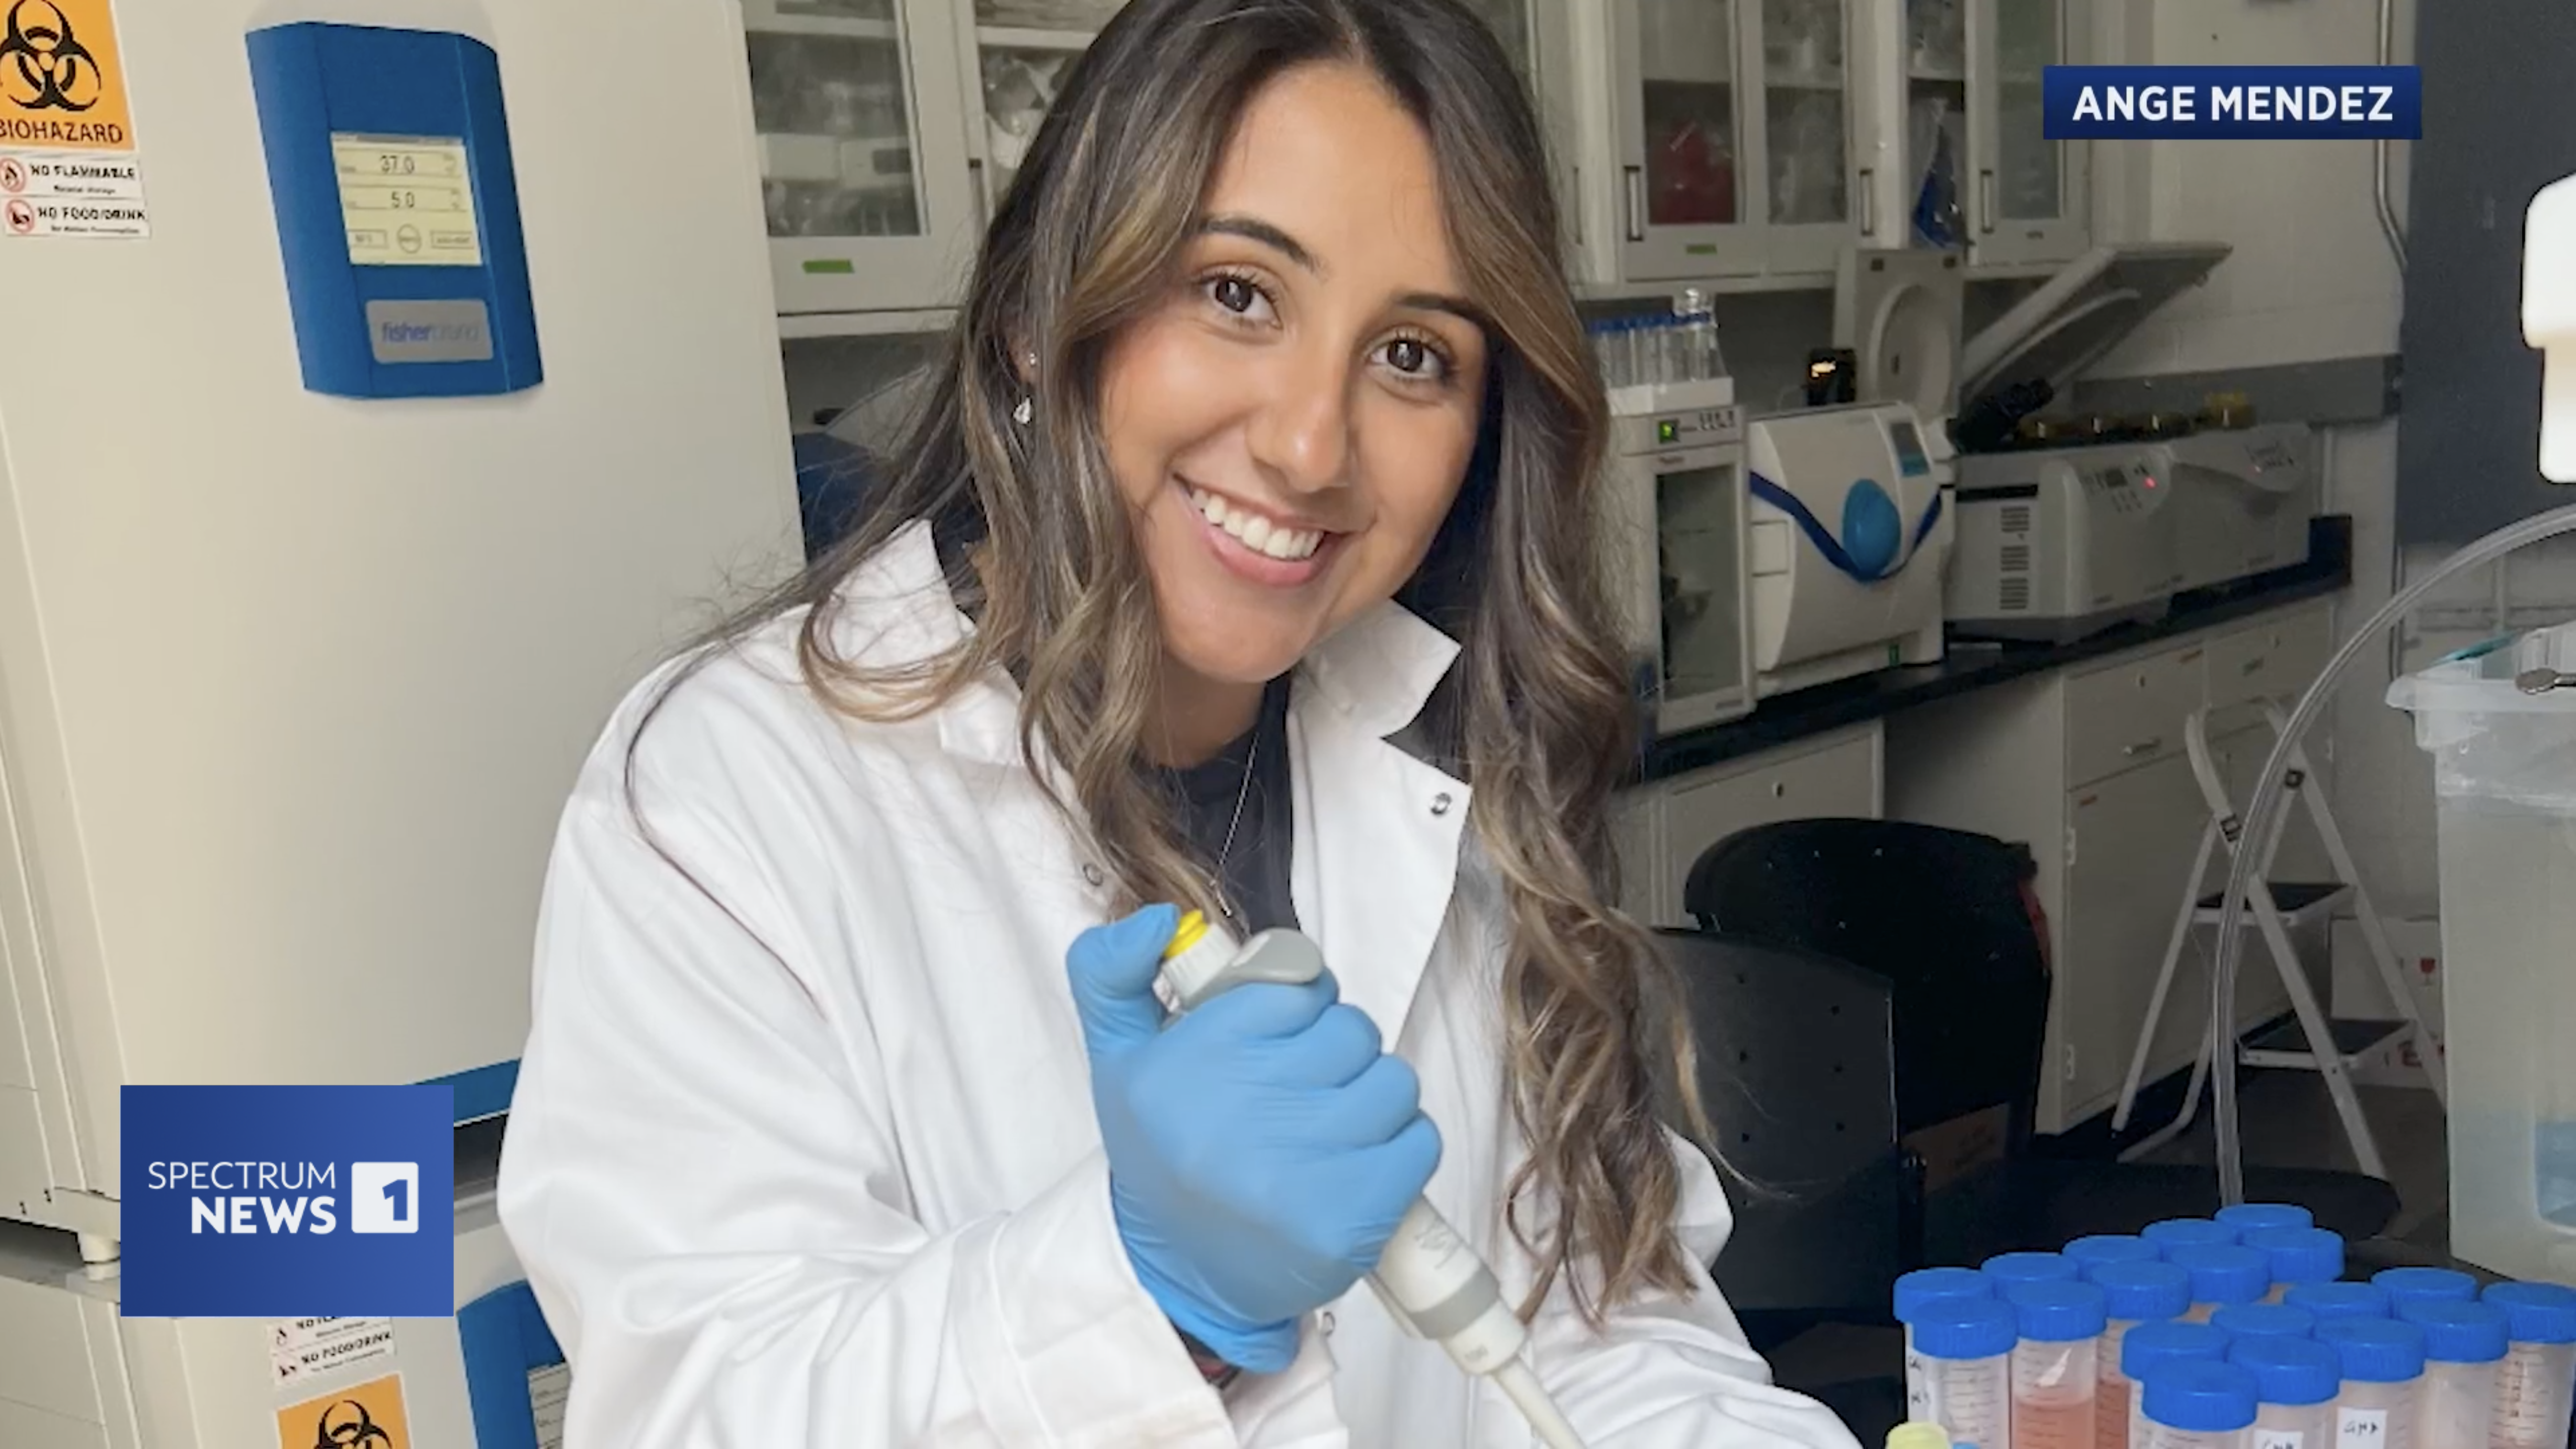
(1091, 875)
(1440, 803)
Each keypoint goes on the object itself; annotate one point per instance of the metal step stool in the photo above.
(2273, 909)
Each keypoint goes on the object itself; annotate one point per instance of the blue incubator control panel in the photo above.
(397, 210)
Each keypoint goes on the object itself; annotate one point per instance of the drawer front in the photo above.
(24, 1428)
(2126, 715)
(44, 1354)
(1837, 781)
(2273, 658)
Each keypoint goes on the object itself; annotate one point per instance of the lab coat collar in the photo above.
(1372, 873)
(1379, 670)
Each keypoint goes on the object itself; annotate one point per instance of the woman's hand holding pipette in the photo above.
(1261, 1149)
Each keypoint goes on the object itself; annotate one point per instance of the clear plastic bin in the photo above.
(2504, 769)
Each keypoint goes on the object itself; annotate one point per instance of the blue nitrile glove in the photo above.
(1261, 1150)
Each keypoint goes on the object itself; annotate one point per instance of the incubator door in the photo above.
(1700, 553)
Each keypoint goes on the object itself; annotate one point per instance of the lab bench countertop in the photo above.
(1786, 719)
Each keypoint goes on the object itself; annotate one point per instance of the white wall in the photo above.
(2310, 276)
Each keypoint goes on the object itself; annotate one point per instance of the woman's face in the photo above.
(1293, 421)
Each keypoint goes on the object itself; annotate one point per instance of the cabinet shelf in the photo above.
(1813, 80)
(1714, 286)
(801, 326)
(829, 27)
(1007, 37)
(848, 162)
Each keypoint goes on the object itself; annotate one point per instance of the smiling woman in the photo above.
(1293, 421)
(1242, 556)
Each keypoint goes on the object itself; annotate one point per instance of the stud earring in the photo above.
(1027, 408)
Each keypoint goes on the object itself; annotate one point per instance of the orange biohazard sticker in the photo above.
(69, 166)
(62, 82)
(368, 1416)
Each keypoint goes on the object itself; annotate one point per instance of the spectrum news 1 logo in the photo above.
(288, 1202)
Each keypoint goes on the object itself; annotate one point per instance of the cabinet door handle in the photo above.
(978, 182)
(1868, 204)
(2144, 747)
(1986, 200)
(1636, 188)
(1574, 201)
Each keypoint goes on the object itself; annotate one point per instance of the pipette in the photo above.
(1430, 1280)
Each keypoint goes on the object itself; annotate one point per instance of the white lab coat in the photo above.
(817, 1165)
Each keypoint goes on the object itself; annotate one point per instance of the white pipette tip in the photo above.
(1522, 1387)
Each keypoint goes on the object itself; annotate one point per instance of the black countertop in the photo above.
(1968, 666)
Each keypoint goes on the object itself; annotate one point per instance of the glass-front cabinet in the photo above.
(1684, 202)
(2027, 203)
(1717, 137)
(1974, 170)
(1018, 53)
(862, 158)
(1805, 133)
(1538, 36)
(1935, 121)
(890, 129)
(1691, 139)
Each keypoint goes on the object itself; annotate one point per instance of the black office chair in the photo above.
(1949, 920)
(1796, 1075)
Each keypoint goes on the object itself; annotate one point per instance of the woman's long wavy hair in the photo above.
(1537, 712)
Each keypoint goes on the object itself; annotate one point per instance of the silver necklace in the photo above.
(1225, 852)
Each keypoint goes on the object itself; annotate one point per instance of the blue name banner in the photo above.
(288, 1202)
(2233, 102)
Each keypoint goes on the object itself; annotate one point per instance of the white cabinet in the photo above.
(1016, 55)
(1714, 137)
(2129, 844)
(1803, 133)
(1977, 169)
(2026, 203)
(2088, 766)
(862, 152)
(1689, 139)
(1662, 827)
(890, 129)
